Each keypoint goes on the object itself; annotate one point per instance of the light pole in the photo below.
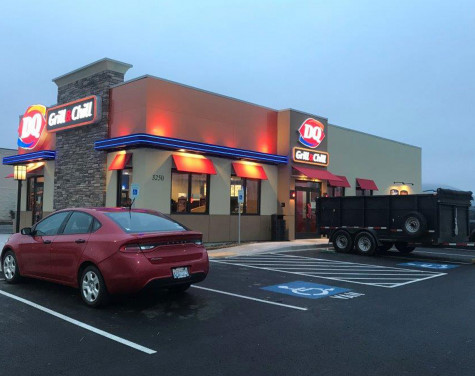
(19, 173)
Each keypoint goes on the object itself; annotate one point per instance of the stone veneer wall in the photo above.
(80, 177)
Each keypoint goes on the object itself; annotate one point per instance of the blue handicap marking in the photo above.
(305, 289)
(429, 265)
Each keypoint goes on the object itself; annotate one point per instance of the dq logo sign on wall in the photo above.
(31, 126)
(311, 133)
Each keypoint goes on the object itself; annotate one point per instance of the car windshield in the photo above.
(132, 222)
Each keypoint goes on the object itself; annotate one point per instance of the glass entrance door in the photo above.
(35, 198)
(306, 193)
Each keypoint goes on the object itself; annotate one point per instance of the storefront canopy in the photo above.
(342, 183)
(249, 171)
(120, 161)
(197, 164)
(367, 184)
(317, 174)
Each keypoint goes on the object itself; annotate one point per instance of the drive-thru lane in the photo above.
(227, 334)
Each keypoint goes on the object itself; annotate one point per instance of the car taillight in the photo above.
(131, 248)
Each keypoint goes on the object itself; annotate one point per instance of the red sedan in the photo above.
(106, 251)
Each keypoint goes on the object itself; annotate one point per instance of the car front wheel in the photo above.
(92, 287)
(10, 268)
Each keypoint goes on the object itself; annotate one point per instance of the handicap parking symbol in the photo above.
(306, 289)
(429, 265)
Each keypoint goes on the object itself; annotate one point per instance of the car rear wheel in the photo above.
(404, 247)
(179, 288)
(92, 287)
(10, 268)
(365, 244)
(342, 241)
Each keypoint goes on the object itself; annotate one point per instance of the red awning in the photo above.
(198, 164)
(30, 168)
(120, 161)
(250, 171)
(342, 183)
(367, 184)
(317, 174)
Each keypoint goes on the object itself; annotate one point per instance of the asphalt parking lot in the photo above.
(305, 312)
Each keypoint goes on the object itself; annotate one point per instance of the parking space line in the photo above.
(250, 298)
(364, 274)
(81, 324)
(445, 254)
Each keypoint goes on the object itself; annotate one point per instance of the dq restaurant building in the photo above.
(188, 153)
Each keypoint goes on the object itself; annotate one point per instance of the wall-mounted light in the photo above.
(401, 182)
(19, 172)
(292, 195)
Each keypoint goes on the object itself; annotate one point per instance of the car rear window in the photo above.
(132, 222)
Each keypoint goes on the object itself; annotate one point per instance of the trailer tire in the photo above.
(404, 247)
(414, 224)
(365, 243)
(342, 241)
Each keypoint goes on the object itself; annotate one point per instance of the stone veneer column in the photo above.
(80, 176)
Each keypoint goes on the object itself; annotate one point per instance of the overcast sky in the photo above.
(401, 69)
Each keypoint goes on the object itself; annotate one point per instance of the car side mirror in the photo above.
(26, 231)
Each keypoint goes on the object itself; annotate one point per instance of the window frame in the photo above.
(244, 185)
(331, 191)
(60, 228)
(188, 194)
(130, 167)
(363, 192)
(89, 230)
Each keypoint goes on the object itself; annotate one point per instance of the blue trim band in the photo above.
(30, 157)
(148, 140)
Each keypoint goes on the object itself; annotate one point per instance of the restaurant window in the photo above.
(189, 193)
(124, 180)
(252, 193)
(335, 191)
(34, 194)
(363, 192)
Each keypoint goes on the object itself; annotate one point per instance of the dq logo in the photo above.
(31, 126)
(311, 133)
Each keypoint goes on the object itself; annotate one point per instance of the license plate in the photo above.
(180, 273)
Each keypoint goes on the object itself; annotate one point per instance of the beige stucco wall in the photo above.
(216, 226)
(8, 187)
(360, 155)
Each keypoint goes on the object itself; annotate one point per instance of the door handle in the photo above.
(80, 241)
(47, 241)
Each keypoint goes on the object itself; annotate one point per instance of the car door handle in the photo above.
(47, 241)
(80, 241)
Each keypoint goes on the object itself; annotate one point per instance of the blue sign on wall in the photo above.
(429, 265)
(305, 289)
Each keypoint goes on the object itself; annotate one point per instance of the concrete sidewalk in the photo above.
(267, 247)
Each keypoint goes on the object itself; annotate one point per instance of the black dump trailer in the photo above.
(372, 223)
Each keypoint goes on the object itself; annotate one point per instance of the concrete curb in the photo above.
(469, 259)
(228, 252)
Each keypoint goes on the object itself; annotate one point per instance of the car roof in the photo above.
(113, 210)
